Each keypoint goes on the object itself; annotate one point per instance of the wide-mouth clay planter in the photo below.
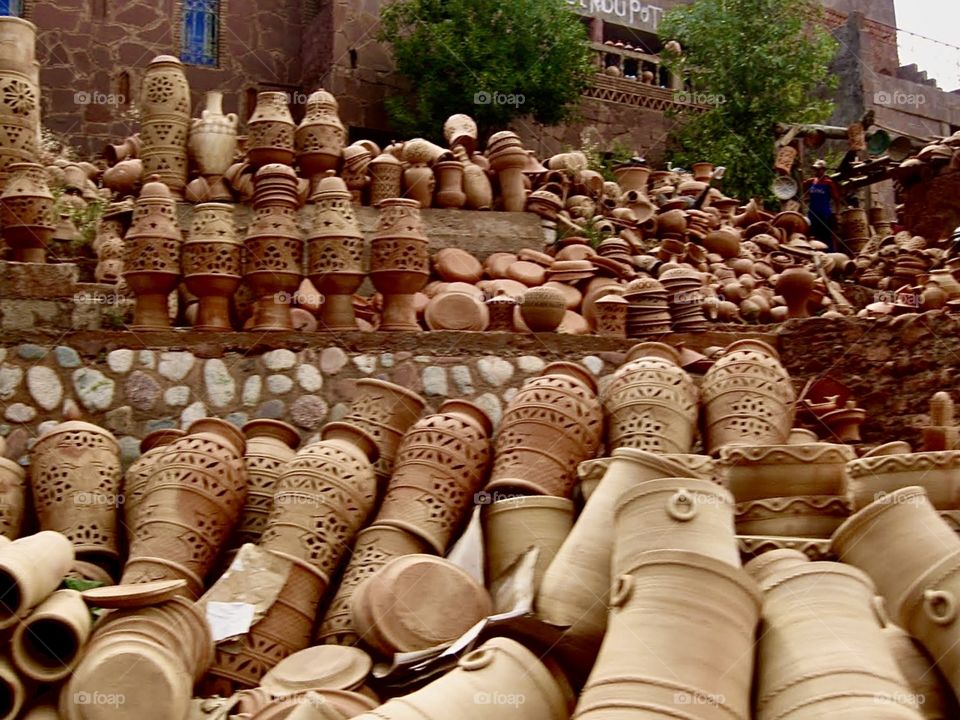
(868, 478)
(810, 516)
(764, 471)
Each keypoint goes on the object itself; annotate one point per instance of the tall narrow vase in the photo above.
(165, 123)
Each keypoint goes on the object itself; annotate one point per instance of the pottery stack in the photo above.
(165, 124)
(212, 260)
(399, 262)
(26, 211)
(20, 99)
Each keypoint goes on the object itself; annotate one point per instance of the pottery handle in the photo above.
(940, 606)
(232, 118)
(681, 506)
(477, 660)
(621, 591)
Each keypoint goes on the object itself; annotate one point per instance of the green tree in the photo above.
(494, 61)
(756, 63)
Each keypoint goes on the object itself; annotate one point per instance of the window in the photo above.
(11, 7)
(200, 32)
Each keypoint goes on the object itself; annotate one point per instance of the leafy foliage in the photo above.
(495, 61)
(763, 62)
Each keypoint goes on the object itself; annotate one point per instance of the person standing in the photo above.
(822, 193)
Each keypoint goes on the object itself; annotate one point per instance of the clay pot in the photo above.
(651, 403)
(663, 598)
(796, 286)
(806, 516)
(415, 602)
(449, 180)
(165, 122)
(192, 500)
(869, 478)
(48, 644)
(129, 149)
(455, 265)
(321, 666)
(461, 130)
(765, 471)
(828, 606)
(632, 177)
(553, 423)
(441, 463)
(542, 309)
(26, 209)
(12, 497)
(335, 254)
(152, 447)
(151, 263)
(14, 692)
(213, 137)
(895, 540)
(509, 165)
(271, 444)
(386, 178)
(768, 564)
(31, 568)
(748, 397)
(75, 478)
(476, 185)
(124, 177)
(385, 411)
(399, 262)
(274, 247)
(212, 260)
(270, 131)
(500, 668)
(456, 311)
(611, 316)
(323, 498)
(320, 137)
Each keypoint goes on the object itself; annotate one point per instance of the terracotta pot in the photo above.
(320, 137)
(386, 178)
(75, 477)
(768, 564)
(542, 309)
(490, 681)
(165, 122)
(509, 165)
(632, 177)
(457, 311)
(20, 106)
(152, 447)
(273, 265)
(724, 241)
(419, 183)
(212, 260)
(374, 548)
(665, 599)
(151, 264)
(870, 478)
(476, 185)
(449, 192)
(579, 575)
(192, 500)
(441, 463)
(124, 178)
(806, 516)
(271, 444)
(764, 471)
(611, 316)
(323, 498)
(651, 403)
(26, 209)
(31, 568)
(213, 137)
(129, 149)
(270, 131)
(385, 411)
(48, 644)
(828, 606)
(461, 130)
(748, 397)
(895, 540)
(796, 286)
(415, 602)
(399, 262)
(553, 423)
(14, 692)
(335, 254)
(12, 497)
(321, 666)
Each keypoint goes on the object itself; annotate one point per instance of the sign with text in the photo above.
(630, 13)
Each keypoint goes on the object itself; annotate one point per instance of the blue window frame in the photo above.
(11, 7)
(200, 32)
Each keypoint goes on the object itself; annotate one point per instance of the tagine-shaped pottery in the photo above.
(399, 262)
(320, 136)
(27, 212)
(270, 131)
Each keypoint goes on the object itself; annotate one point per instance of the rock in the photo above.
(221, 387)
(29, 351)
(309, 378)
(332, 360)
(495, 370)
(273, 409)
(435, 381)
(309, 412)
(408, 375)
(17, 442)
(175, 365)
(386, 360)
(120, 361)
(279, 384)
(94, 389)
(192, 412)
(44, 386)
(141, 390)
(177, 396)
(147, 359)
(593, 364)
(510, 393)
(530, 364)
(129, 449)
(339, 411)
(251, 390)
(423, 359)
(70, 409)
(462, 379)
(10, 378)
(365, 363)
(160, 424)
(237, 418)
(45, 427)
(490, 404)
(280, 359)
(66, 357)
(20, 413)
(120, 420)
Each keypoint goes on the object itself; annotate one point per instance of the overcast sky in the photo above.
(937, 19)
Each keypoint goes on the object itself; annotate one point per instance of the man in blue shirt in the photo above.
(822, 193)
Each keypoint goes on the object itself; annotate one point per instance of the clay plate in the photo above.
(133, 595)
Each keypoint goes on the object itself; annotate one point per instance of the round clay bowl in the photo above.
(573, 324)
(535, 256)
(576, 252)
(572, 297)
(335, 667)
(462, 287)
(456, 311)
(133, 596)
(528, 273)
(455, 265)
(497, 264)
(768, 471)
